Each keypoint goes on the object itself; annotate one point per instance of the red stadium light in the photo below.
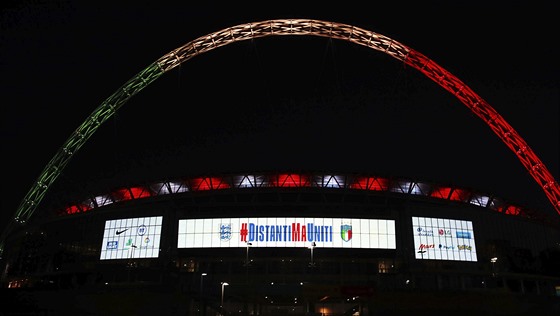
(291, 180)
(208, 183)
(370, 183)
(132, 193)
(75, 209)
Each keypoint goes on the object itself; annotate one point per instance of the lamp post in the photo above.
(224, 284)
(493, 260)
(132, 247)
(247, 254)
(202, 302)
(130, 260)
(202, 275)
(246, 306)
(313, 245)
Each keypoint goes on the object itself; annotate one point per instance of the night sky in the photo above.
(290, 103)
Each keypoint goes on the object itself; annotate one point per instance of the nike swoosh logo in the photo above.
(118, 232)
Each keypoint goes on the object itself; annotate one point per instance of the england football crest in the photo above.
(346, 232)
(225, 232)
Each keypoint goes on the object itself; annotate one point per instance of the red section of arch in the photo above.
(499, 126)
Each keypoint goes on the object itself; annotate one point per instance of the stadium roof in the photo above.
(355, 182)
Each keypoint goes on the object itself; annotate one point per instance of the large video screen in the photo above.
(129, 238)
(443, 239)
(286, 232)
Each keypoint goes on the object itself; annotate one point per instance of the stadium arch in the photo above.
(280, 27)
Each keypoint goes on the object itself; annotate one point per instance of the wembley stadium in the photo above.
(284, 242)
(290, 243)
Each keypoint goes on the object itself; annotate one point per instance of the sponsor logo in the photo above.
(427, 246)
(112, 245)
(464, 247)
(346, 232)
(423, 232)
(462, 234)
(446, 247)
(142, 230)
(118, 232)
(444, 232)
(225, 232)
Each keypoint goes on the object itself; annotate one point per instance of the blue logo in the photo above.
(142, 229)
(461, 234)
(225, 232)
(112, 245)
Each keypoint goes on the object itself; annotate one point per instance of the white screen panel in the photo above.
(129, 238)
(443, 239)
(286, 232)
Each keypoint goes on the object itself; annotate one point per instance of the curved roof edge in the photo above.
(300, 180)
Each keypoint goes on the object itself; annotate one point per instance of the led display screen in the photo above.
(131, 238)
(443, 239)
(286, 232)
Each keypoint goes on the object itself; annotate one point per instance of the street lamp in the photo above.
(224, 284)
(493, 260)
(246, 308)
(131, 262)
(202, 275)
(202, 301)
(313, 245)
(247, 254)
(132, 247)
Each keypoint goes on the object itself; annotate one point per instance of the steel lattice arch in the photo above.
(286, 27)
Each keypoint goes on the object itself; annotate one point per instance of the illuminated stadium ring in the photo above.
(308, 27)
(295, 181)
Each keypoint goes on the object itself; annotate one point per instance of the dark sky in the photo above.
(277, 103)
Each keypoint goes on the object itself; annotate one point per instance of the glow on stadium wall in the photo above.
(286, 232)
(129, 238)
(443, 239)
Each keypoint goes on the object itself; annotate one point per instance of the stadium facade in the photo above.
(286, 244)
